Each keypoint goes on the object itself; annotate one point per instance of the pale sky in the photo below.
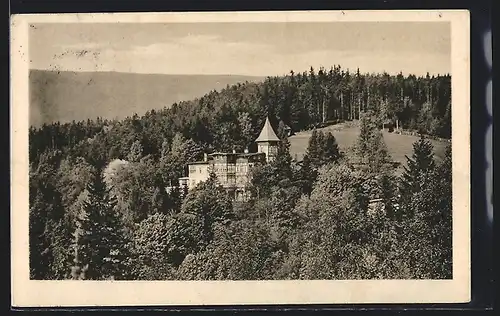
(260, 49)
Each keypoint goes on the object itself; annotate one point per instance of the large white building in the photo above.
(233, 169)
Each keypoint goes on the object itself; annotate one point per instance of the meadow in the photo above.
(346, 135)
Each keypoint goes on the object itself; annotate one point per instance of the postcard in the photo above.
(240, 158)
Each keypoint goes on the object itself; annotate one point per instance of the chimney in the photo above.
(246, 150)
(205, 157)
(234, 151)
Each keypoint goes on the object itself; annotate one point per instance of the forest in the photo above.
(99, 209)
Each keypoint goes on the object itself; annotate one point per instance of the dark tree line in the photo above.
(99, 207)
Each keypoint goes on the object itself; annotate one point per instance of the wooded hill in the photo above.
(99, 208)
(230, 118)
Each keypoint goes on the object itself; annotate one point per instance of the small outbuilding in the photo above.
(288, 130)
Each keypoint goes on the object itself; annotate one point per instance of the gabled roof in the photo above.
(267, 134)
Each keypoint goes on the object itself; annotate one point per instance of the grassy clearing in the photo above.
(398, 145)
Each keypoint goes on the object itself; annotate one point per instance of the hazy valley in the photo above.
(66, 96)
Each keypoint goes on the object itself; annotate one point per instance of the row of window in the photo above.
(193, 170)
(225, 181)
(231, 168)
(223, 168)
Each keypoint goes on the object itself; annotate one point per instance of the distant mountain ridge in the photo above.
(65, 96)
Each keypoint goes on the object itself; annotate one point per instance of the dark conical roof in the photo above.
(267, 134)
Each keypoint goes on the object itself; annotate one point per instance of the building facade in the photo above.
(233, 170)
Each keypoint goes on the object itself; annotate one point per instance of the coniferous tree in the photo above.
(427, 236)
(387, 188)
(443, 217)
(313, 151)
(365, 131)
(283, 161)
(370, 147)
(332, 152)
(445, 125)
(418, 170)
(322, 149)
(48, 244)
(378, 155)
(99, 238)
(135, 153)
(279, 172)
(308, 174)
(246, 129)
(61, 238)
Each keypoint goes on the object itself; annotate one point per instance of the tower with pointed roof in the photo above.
(267, 142)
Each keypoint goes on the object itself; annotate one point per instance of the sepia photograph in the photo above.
(252, 151)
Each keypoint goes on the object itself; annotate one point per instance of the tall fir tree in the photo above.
(99, 239)
(418, 170)
(378, 155)
(427, 220)
(283, 161)
(370, 147)
(308, 174)
(365, 131)
(332, 151)
(47, 235)
(312, 151)
(322, 149)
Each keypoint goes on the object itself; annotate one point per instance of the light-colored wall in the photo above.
(229, 175)
(242, 174)
(269, 149)
(197, 173)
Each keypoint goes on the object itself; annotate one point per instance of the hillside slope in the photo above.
(67, 96)
(398, 145)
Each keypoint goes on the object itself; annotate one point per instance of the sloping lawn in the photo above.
(398, 145)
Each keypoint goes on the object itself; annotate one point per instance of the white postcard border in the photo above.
(29, 293)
